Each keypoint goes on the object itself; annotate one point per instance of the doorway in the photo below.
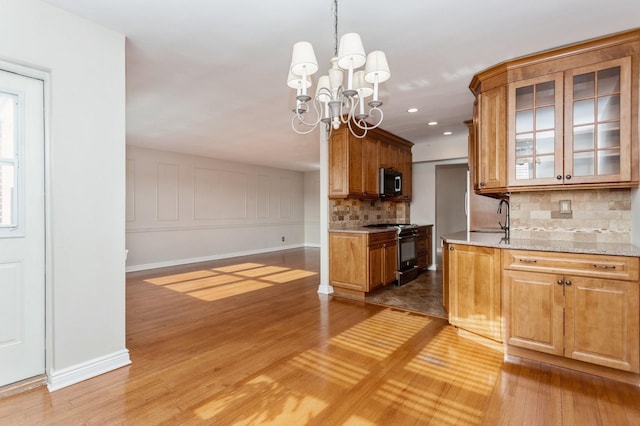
(22, 228)
(451, 193)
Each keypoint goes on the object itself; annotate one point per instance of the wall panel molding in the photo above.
(167, 195)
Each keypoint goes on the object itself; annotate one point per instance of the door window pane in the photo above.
(7, 126)
(524, 121)
(583, 137)
(609, 81)
(608, 135)
(545, 142)
(8, 165)
(545, 118)
(583, 164)
(545, 166)
(609, 108)
(524, 97)
(545, 93)
(584, 86)
(524, 145)
(583, 112)
(608, 162)
(524, 168)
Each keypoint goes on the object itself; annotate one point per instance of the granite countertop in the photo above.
(498, 240)
(359, 229)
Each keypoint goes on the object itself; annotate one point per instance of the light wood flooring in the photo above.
(249, 341)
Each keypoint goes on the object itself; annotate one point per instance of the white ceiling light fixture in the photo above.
(333, 100)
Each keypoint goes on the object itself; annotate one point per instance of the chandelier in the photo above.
(334, 103)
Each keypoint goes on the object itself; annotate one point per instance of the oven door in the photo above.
(407, 258)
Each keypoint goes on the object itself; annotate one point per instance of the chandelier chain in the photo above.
(335, 27)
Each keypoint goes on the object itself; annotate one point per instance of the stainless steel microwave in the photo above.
(390, 183)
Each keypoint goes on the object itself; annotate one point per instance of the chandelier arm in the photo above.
(355, 133)
(301, 132)
(318, 117)
(372, 113)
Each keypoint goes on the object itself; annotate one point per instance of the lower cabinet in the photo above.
(424, 246)
(581, 307)
(473, 274)
(362, 262)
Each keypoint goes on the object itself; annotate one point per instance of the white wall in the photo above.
(183, 209)
(86, 178)
(312, 209)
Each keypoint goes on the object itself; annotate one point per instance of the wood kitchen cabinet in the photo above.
(424, 246)
(576, 306)
(473, 277)
(362, 262)
(354, 163)
(561, 119)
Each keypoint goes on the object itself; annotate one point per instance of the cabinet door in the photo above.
(376, 267)
(370, 167)
(598, 123)
(535, 131)
(390, 262)
(534, 311)
(474, 290)
(602, 322)
(338, 162)
(348, 261)
(406, 167)
(490, 162)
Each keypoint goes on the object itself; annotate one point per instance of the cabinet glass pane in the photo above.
(524, 121)
(545, 93)
(583, 112)
(609, 81)
(609, 108)
(7, 192)
(609, 162)
(583, 138)
(7, 125)
(524, 145)
(524, 97)
(545, 142)
(608, 135)
(524, 168)
(545, 118)
(584, 85)
(583, 164)
(545, 166)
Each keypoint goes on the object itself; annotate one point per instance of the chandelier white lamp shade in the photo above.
(335, 103)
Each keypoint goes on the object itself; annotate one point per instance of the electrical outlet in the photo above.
(283, 239)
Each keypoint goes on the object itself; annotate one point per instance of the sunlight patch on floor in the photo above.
(228, 281)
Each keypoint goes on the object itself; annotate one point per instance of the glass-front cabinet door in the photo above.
(597, 125)
(536, 131)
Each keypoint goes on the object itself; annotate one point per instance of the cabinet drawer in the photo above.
(588, 265)
(382, 237)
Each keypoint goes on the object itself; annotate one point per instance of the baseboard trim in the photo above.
(176, 262)
(59, 379)
(312, 245)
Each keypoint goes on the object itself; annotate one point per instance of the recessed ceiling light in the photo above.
(412, 110)
(432, 123)
(447, 133)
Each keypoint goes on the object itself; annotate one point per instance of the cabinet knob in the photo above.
(560, 282)
(567, 282)
(482, 184)
(559, 177)
(568, 177)
(451, 248)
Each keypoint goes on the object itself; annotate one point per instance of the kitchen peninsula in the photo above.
(572, 304)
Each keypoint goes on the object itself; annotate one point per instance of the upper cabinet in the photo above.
(563, 118)
(354, 163)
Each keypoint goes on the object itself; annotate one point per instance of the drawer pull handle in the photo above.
(528, 260)
(560, 282)
(604, 266)
(567, 282)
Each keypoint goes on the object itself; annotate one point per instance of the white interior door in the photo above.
(22, 228)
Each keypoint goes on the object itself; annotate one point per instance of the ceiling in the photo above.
(208, 77)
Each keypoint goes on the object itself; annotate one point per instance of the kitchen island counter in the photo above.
(498, 240)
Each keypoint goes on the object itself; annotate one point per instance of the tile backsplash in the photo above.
(600, 215)
(359, 212)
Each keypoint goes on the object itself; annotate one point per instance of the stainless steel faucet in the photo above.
(506, 225)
